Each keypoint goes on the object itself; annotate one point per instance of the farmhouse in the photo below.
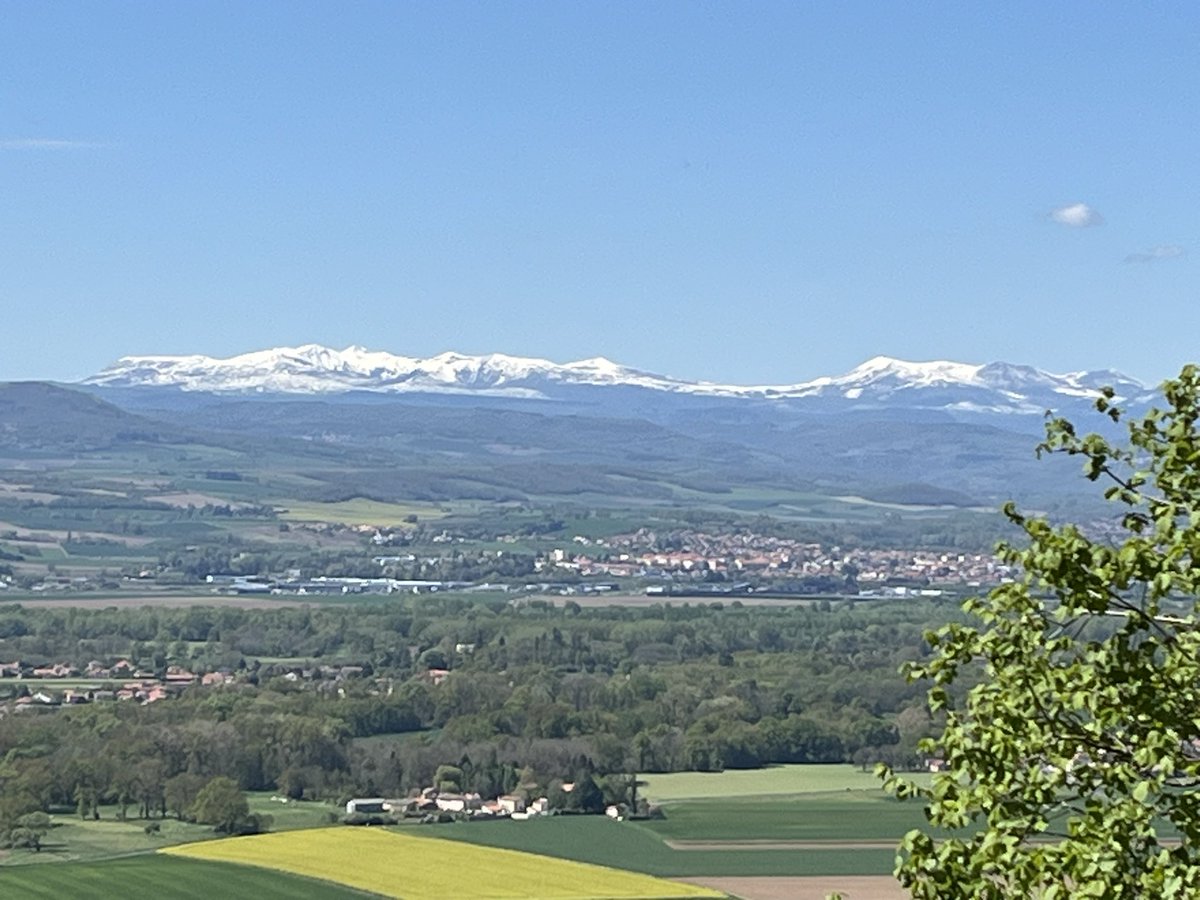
(366, 805)
(511, 803)
(458, 802)
(179, 675)
(58, 670)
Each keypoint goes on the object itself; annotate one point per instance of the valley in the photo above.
(697, 601)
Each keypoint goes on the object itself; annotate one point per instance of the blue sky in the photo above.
(741, 192)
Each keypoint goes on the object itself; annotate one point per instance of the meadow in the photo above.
(426, 868)
(90, 840)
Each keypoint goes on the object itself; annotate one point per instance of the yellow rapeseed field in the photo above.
(422, 868)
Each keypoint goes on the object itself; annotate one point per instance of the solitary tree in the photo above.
(1072, 765)
(222, 804)
(29, 831)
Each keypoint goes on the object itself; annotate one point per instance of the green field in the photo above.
(639, 847)
(294, 814)
(745, 819)
(358, 511)
(154, 877)
(844, 816)
(790, 779)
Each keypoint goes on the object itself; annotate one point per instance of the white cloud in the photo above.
(45, 144)
(1154, 254)
(1077, 215)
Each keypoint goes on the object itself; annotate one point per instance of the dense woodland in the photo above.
(534, 695)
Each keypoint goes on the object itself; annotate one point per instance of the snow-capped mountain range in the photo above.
(313, 369)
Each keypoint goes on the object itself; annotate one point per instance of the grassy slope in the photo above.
(154, 876)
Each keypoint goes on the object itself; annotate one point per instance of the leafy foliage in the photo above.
(221, 804)
(29, 831)
(1073, 765)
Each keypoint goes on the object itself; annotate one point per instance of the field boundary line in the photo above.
(781, 845)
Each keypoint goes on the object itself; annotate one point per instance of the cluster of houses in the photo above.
(318, 673)
(434, 805)
(122, 681)
(431, 801)
(647, 554)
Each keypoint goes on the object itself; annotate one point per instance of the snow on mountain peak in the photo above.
(914, 373)
(313, 368)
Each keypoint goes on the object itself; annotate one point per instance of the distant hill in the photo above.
(370, 424)
(35, 415)
(441, 447)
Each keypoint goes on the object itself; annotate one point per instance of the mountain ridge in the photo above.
(313, 369)
(507, 427)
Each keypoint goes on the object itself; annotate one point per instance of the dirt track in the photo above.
(805, 887)
(780, 845)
